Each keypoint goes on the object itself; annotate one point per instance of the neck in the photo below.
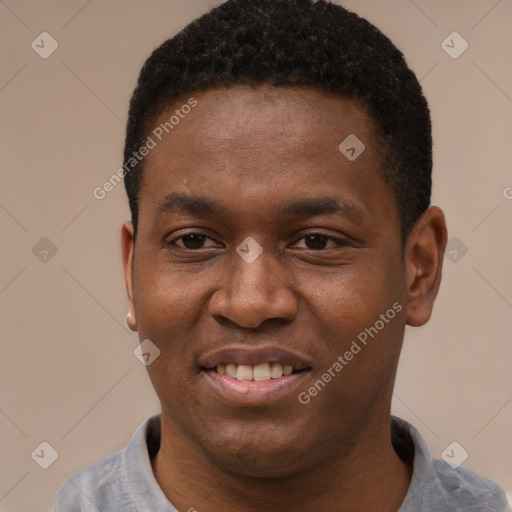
(367, 476)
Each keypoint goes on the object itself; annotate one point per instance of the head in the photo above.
(297, 44)
(255, 238)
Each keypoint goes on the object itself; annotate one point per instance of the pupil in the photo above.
(193, 241)
(317, 241)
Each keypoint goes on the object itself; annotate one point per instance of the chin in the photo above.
(259, 455)
(264, 465)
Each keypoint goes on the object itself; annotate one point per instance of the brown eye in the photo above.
(320, 241)
(316, 241)
(191, 241)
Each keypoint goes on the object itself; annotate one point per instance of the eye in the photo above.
(319, 241)
(192, 241)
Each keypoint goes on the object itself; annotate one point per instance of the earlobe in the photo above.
(130, 321)
(127, 250)
(424, 261)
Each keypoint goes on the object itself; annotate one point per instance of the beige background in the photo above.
(68, 375)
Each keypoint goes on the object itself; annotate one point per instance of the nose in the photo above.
(250, 294)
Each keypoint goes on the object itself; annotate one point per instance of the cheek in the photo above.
(168, 307)
(165, 295)
(354, 295)
(361, 314)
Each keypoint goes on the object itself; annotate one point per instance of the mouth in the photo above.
(254, 377)
(256, 373)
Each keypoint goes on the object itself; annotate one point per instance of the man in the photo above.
(278, 167)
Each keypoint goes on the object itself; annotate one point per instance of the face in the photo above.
(263, 250)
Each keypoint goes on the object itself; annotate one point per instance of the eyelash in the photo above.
(340, 242)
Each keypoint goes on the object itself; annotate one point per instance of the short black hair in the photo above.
(294, 43)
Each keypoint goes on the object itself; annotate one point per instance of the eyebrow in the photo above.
(299, 208)
(311, 207)
(193, 205)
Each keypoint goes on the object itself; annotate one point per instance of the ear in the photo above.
(424, 254)
(127, 250)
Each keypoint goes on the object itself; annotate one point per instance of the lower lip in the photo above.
(245, 392)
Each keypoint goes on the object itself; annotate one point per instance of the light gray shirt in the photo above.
(124, 480)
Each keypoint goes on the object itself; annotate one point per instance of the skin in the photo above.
(252, 150)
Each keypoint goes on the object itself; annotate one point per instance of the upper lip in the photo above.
(253, 356)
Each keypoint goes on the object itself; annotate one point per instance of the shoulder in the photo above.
(436, 485)
(469, 491)
(121, 481)
(91, 488)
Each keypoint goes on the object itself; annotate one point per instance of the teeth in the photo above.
(244, 372)
(276, 371)
(231, 370)
(261, 372)
(258, 373)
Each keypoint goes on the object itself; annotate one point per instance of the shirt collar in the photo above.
(425, 489)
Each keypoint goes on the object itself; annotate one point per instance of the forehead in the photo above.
(265, 142)
(270, 116)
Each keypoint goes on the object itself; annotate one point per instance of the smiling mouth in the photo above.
(256, 373)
